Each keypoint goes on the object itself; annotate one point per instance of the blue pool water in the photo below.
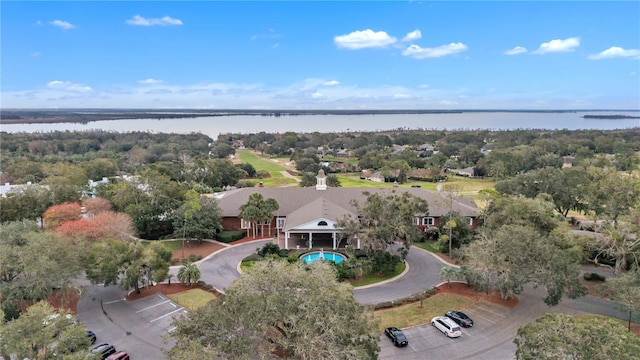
(331, 256)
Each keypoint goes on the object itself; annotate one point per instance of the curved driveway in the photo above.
(220, 270)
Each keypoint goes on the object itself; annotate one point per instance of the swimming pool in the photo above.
(327, 255)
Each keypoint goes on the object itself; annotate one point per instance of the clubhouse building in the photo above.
(307, 216)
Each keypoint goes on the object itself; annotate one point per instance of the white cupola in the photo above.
(321, 184)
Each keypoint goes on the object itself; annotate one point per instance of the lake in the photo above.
(215, 125)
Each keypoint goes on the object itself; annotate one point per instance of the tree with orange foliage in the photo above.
(96, 205)
(57, 214)
(104, 225)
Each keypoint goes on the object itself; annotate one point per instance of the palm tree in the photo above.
(258, 210)
(189, 274)
(447, 273)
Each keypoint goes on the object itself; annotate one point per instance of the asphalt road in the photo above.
(138, 327)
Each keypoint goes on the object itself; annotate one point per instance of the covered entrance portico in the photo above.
(321, 233)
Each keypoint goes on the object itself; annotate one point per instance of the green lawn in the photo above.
(192, 299)
(413, 314)
(471, 185)
(271, 165)
(427, 245)
(373, 278)
(260, 162)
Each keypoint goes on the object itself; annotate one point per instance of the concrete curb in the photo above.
(437, 257)
(227, 246)
(406, 270)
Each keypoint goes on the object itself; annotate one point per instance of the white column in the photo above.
(310, 240)
(357, 238)
(333, 236)
(286, 240)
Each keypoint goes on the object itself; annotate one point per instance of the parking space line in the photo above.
(113, 301)
(494, 313)
(489, 320)
(152, 306)
(165, 315)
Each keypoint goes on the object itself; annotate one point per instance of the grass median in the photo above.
(418, 313)
(192, 299)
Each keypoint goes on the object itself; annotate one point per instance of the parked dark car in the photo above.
(103, 350)
(92, 336)
(397, 336)
(120, 355)
(460, 318)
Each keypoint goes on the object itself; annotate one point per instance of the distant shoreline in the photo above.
(610, 117)
(35, 116)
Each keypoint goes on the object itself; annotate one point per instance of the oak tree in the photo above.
(296, 310)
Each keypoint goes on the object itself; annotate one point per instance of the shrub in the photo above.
(262, 174)
(283, 253)
(175, 261)
(359, 253)
(192, 257)
(245, 183)
(253, 257)
(384, 262)
(590, 276)
(270, 248)
(230, 236)
(414, 298)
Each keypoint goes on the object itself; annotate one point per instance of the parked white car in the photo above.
(447, 326)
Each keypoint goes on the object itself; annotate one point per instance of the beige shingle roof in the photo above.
(300, 200)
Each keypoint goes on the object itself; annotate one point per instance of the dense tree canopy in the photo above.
(558, 336)
(43, 332)
(385, 217)
(512, 256)
(297, 310)
(33, 263)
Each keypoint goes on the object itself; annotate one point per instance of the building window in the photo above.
(322, 223)
(416, 221)
(428, 221)
(469, 220)
(280, 222)
(265, 222)
(244, 224)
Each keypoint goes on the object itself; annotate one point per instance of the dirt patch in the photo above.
(164, 289)
(198, 249)
(66, 299)
(595, 288)
(463, 289)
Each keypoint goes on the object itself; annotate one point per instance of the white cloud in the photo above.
(67, 86)
(150, 81)
(401, 96)
(36, 54)
(423, 86)
(516, 50)
(616, 52)
(331, 83)
(163, 21)
(414, 35)
(558, 45)
(62, 24)
(364, 39)
(418, 52)
(318, 95)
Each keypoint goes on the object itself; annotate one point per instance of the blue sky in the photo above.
(321, 55)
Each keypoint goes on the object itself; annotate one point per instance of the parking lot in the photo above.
(490, 338)
(136, 327)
